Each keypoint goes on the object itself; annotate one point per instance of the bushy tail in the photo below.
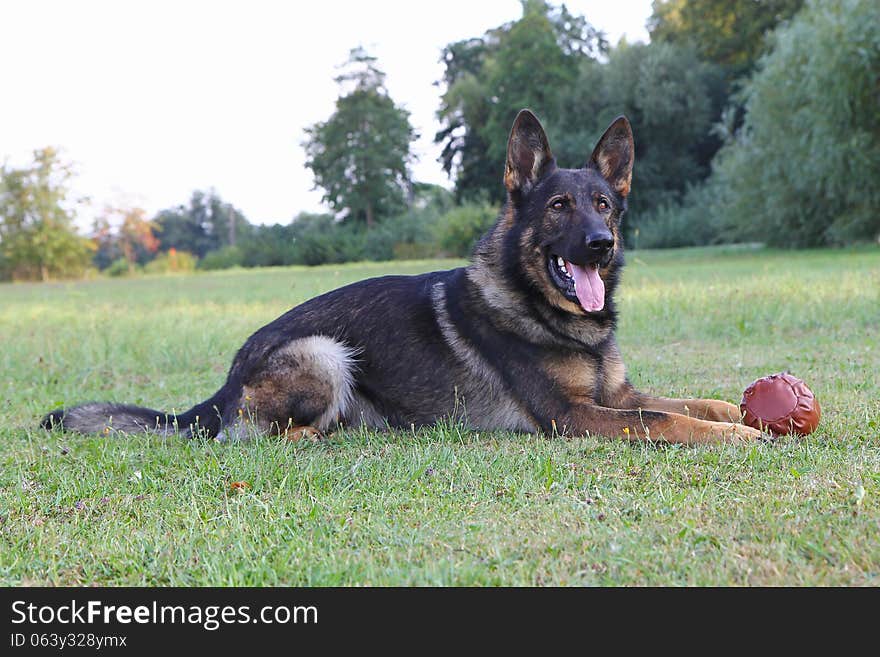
(201, 419)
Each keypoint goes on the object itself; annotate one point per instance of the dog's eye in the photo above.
(559, 203)
(602, 204)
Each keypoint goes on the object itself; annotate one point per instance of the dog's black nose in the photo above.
(600, 242)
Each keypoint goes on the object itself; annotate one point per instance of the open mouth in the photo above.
(578, 283)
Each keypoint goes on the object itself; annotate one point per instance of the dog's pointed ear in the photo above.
(528, 154)
(613, 155)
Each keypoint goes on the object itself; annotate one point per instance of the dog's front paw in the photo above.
(721, 411)
(733, 432)
(295, 434)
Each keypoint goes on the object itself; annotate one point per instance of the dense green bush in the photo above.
(690, 223)
(119, 267)
(228, 256)
(803, 170)
(172, 261)
(456, 232)
(433, 226)
(316, 239)
(408, 231)
(268, 246)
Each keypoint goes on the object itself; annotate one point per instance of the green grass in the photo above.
(445, 506)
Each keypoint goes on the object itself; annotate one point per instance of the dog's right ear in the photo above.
(528, 154)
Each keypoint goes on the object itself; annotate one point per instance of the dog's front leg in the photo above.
(702, 409)
(650, 425)
(715, 410)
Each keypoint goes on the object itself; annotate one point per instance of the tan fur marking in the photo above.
(669, 427)
(703, 409)
(295, 434)
(677, 428)
(606, 168)
(614, 372)
(576, 376)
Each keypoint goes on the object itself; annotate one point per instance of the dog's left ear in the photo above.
(613, 155)
(528, 154)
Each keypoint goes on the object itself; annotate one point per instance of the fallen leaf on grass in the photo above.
(859, 494)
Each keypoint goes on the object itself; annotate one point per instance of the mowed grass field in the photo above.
(445, 506)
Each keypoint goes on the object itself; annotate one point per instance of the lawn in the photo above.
(446, 506)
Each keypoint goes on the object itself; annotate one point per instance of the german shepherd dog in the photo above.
(522, 339)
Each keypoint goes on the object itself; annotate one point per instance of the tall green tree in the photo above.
(672, 99)
(803, 169)
(551, 63)
(360, 156)
(530, 68)
(206, 224)
(729, 33)
(38, 237)
(464, 109)
(532, 62)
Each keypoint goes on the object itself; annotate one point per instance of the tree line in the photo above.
(755, 121)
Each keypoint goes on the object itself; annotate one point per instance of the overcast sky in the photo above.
(152, 100)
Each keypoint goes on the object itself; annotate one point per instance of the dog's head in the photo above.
(568, 220)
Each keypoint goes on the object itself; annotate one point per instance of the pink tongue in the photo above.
(589, 287)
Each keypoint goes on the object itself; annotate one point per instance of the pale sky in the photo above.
(152, 100)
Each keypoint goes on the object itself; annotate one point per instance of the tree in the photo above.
(729, 33)
(360, 155)
(464, 109)
(548, 61)
(533, 62)
(530, 68)
(38, 238)
(202, 226)
(672, 99)
(125, 233)
(803, 169)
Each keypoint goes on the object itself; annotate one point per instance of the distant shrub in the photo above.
(119, 267)
(268, 246)
(690, 223)
(414, 251)
(173, 261)
(228, 256)
(317, 239)
(398, 237)
(320, 239)
(803, 169)
(458, 230)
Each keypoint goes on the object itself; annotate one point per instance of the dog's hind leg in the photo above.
(306, 384)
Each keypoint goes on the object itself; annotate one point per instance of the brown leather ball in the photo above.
(782, 404)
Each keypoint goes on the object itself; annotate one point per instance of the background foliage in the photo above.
(359, 156)
(37, 235)
(804, 168)
(754, 122)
